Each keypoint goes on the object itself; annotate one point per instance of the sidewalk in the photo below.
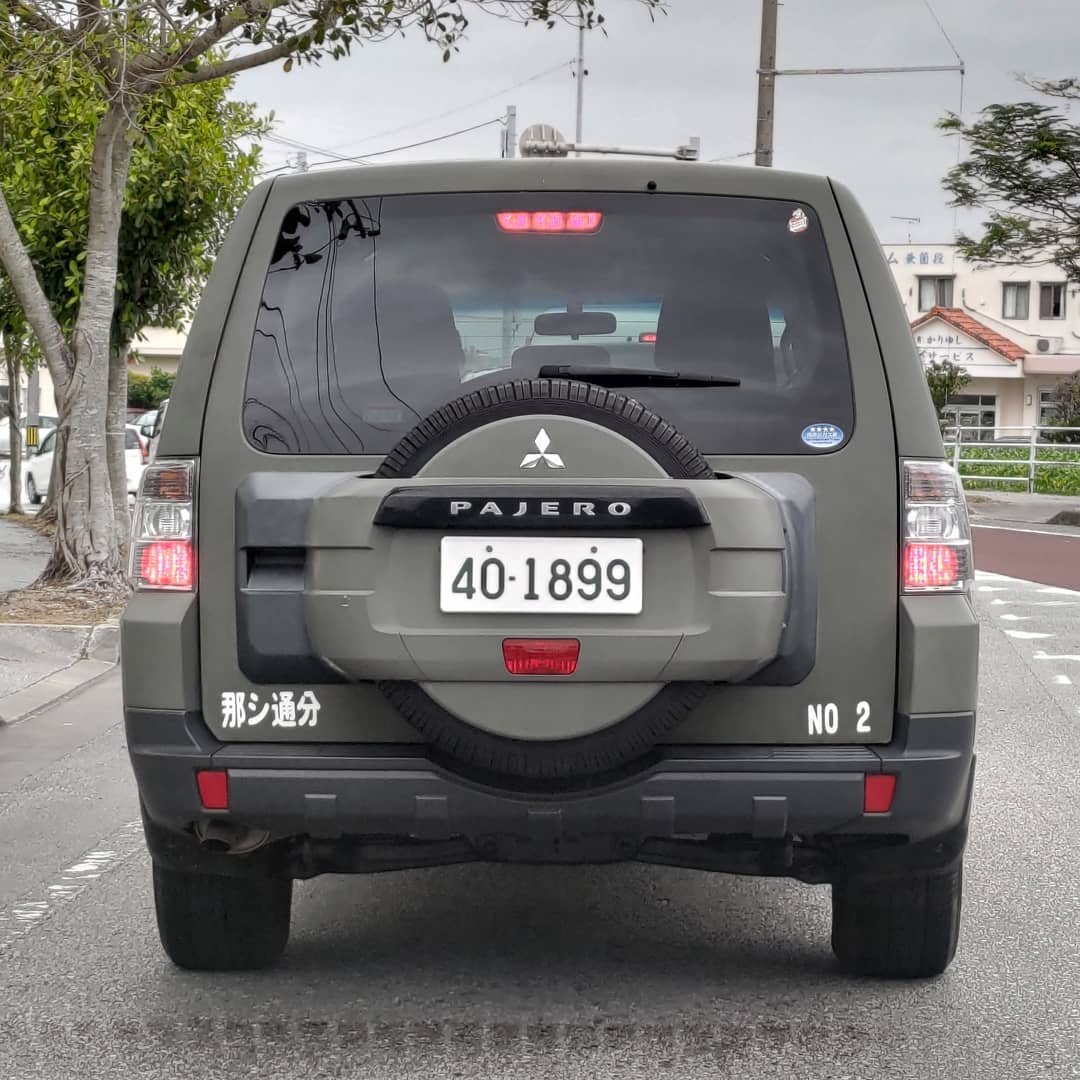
(39, 664)
(1018, 508)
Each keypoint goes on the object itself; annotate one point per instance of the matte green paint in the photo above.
(856, 488)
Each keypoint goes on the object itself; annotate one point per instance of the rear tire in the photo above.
(904, 928)
(31, 490)
(211, 923)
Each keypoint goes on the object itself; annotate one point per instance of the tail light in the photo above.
(163, 529)
(937, 537)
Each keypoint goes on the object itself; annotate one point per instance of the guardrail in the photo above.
(965, 445)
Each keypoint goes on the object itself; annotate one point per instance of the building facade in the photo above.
(1014, 329)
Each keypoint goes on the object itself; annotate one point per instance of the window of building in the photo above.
(1052, 301)
(1048, 405)
(1014, 299)
(972, 416)
(935, 292)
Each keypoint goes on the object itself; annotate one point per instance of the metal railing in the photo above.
(1031, 440)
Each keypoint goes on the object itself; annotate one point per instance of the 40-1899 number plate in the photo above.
(517, 574)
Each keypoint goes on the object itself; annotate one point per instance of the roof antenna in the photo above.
(909, 220)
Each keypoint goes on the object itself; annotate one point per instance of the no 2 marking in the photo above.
(824, 719)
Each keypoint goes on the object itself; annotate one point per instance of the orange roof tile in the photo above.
(971, 326)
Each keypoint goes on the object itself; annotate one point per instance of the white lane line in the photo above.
(998, 602)
(1026, 635)
(1015, 618)
(987, 575)
(1041, 654)
(1036, 532)
(1055, 590)
(33, 910)
(1063, 680)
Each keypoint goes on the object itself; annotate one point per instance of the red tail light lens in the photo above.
(936, 551)
(549, 221)
(541, 656)
(931, 566)
(213, 788)
(878, 793)
(167, 564)
(648, 337)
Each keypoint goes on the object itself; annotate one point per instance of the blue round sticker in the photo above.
(822, 436)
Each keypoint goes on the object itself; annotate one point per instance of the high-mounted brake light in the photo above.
(541, 656)
(549, 221)
(163, 528)
(936, 553)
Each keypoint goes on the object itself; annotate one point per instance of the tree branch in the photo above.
(35, 304)
(224, 68)
(202, 43)
(38, 20)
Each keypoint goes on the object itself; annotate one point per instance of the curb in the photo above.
(98, 657)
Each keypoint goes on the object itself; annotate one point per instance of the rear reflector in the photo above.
(648, 337)
(213, 789)
(879, 791)
(931, 566)
(549, 221)
(167, 564)
(541, 656)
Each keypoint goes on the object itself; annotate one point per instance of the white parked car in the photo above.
(39, 466)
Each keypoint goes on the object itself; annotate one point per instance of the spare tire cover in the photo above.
(634, 735)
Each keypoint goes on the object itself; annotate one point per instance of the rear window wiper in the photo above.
(628, 376)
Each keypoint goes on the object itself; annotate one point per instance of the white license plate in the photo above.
(517, 574)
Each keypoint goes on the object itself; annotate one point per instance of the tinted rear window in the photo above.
(377, 311)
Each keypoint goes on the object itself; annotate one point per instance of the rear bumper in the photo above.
(722, 807)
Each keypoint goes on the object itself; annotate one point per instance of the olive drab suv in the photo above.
(554, 512)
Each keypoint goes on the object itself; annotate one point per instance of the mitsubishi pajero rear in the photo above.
(552, 512)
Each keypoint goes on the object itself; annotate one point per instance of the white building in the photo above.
(156, 348)
(1014, 329)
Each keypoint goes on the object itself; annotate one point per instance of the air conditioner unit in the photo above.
(1050, 344)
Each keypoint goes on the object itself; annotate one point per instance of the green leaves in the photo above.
(1022, 166)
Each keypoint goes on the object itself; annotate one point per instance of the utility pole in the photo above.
(768, 71)
(766, 84)
(509, 133)
(580, 75)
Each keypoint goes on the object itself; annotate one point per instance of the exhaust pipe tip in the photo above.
(224, 838)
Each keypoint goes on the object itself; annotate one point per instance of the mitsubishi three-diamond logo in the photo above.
(551, 460)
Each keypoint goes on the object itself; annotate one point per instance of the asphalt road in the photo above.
(1034, 552)
(552, 972)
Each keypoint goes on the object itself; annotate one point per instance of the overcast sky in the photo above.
(692, 71)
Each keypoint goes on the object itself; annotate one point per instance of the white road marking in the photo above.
(31, 911)
(1037, 532)
(1026, 635)
(1055, 590)
(1037, 603)
(992, 588)
(1063, 680)
(1040, 654)
(1015, 618)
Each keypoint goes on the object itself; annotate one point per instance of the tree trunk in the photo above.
(86, 545)
(117, 439)
(13, 364)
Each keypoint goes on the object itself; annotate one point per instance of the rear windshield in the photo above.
(376, 311)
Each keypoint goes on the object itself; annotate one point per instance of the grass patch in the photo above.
(1057, 471)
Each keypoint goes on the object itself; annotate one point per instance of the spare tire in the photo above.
(633, 736)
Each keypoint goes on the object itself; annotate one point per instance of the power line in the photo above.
(944, 32)
(411, 146)
(459, 108)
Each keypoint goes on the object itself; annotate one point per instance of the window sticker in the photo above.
(822, 436)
